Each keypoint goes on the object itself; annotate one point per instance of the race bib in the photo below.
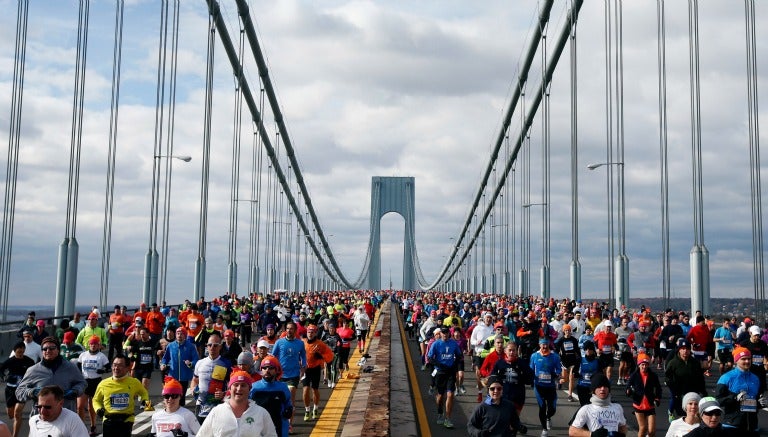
(119, 401)
(193, 325)
(145, 358)
(606, 349)
(544, 377)
(568, 346)
(757, 360)
(726, 341)
(749, 406)
(115, 325)
(586, 376)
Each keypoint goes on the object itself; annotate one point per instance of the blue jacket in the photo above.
(445, 354)
(174, 357)
(275, 397)
(546, 369)
(728, 388)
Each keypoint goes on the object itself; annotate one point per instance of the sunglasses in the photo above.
(214, 344)
(713, 413)
(167, 397)
(267, 368)
(494, 388)
(48, 348)
(44, 407)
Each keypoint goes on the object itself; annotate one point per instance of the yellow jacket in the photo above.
(117, 396)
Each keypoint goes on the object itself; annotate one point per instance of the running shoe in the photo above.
(307, 416)
(315, 414)
(447, 423)
(570, 398)
(440, 419)
(544, 433)
(670, 416)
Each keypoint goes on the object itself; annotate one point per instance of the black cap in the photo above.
(598, 381)
(589, 345)
(493, 379)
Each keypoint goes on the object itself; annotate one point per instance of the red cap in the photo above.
(93, 316)
(171, 386)
(229, 333)
(240, 376)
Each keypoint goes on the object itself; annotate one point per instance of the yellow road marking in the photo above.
(421, 413)
(330, 418)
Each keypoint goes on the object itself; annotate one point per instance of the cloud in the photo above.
(377, 89)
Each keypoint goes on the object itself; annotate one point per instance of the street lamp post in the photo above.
(620, 281)
(152, 258)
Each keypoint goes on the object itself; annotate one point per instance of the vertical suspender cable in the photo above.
(693, 22)
(754, 160)
(545, 258)
(234, 188)
(203, 231)
(111, 155)
(12, 164)
(663, 152)
(151, 257)
(575, 292)
(164, 247)
(699, 254)
(77, 118)
(609, 144)
(68, 264)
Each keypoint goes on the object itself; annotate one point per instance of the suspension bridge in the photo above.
(579, 137)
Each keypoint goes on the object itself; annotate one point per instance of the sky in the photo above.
(380, 89)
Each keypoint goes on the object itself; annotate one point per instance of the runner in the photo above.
(114, 399)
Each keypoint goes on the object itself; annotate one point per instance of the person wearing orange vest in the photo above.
(318, 354)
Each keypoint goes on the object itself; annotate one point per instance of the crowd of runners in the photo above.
(230, 366)
(234, 364)
(513, 344)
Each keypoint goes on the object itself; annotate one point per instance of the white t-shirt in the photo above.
(91, 363)
(67, 424)
(679, 428)
(595, 417)
(163, 422)
(255, 422)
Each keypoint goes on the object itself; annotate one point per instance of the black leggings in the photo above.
(547, 399)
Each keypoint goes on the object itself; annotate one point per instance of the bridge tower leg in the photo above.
(392, 194)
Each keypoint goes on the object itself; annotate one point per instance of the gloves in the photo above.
(70, 394)
(763, 401)
(288, 413)
(602, 432)
(741, 396)
(35, 392)
(101, 412)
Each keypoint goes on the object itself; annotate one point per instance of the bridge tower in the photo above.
(391, 194)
